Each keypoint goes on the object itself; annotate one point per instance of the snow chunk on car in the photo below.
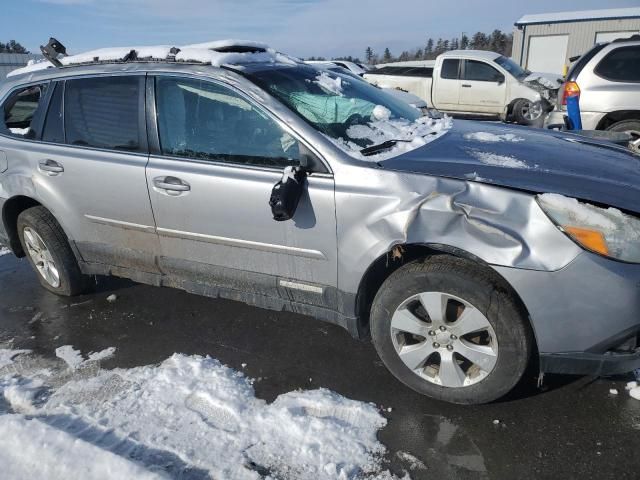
(487, 137)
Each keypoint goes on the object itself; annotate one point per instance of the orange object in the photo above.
(570, 89)
(590, 239)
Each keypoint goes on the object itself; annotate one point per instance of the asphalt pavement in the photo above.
(571, 428)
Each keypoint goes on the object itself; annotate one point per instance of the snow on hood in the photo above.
(410, 135)
(200, 52)
(551, 81)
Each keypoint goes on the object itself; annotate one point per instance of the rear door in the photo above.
(90, 170)
(446, 87)
(218, 157)
(483, 88)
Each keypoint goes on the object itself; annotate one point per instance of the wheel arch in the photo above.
(11, 209)
(400, 255)
(617, 116)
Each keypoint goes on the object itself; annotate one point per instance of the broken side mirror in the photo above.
(286, 194)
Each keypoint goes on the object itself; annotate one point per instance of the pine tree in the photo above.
(386, 56)
(368, 54)
(454, 45)
(419, 54)
(12, 47)
(428, 51)
(479, 41)
(464, 42)
(439, 47)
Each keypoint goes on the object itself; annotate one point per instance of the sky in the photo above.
(298, 27)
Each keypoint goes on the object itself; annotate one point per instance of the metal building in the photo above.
(11, 61)
(545, 42)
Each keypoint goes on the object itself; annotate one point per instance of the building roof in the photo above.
(11, 61)
(580, 16)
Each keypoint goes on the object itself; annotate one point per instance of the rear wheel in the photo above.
(48, 251)
(449, 330)
(625, 126)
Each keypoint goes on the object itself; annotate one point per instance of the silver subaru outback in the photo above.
(466, 251)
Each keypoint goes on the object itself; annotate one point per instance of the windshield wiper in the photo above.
(372, 150)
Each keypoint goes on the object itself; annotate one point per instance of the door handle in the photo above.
(171, 184)
(51, 167)
(466, 85)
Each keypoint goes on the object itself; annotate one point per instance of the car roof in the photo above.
(485, 54)
(109, 60)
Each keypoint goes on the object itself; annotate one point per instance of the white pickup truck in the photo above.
(474, 82)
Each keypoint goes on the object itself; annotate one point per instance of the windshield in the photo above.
(333, 103)
(512, 67)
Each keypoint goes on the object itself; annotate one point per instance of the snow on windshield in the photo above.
(409, 135)
(187, 417)
(329, 83)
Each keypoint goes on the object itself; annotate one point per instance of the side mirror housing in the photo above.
(500, 78)
(286, 194)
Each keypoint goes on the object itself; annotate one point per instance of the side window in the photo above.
(20, 110)
(480, 71)
(198, 119)
(621, 65)
(450, 67)
(105, 112)
(53, 127)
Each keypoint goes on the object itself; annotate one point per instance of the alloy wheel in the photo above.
(41, 257)
(444, 339)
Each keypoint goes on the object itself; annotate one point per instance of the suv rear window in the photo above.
(426, 72)
(105, 112)
(621, 65)
(20, 109)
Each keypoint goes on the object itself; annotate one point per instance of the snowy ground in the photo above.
(188, 417)
(4, 250)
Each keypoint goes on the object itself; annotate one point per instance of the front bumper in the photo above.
(585, 317)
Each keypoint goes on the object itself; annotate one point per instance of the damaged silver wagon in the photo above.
(465, 250)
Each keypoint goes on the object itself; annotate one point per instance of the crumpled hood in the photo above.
(546, 80)
(535, 160)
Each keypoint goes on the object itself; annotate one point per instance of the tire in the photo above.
(45, 243)
(524, 115)
(506, 341)
(625, 126)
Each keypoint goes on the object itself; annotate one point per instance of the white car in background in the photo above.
(474, 82)
(398, 93)
(355, 68)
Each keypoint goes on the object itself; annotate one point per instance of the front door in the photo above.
(220, 156)
(483, 88)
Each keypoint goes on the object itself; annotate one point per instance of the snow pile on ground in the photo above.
(497, 160)
(487, 137)
(29, 448)
(189, 417)
(333, 85)
(633, 389)
(4, 251)
(409, 135)
(7, 356)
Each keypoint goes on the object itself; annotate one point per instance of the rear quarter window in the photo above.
(21, 108)
(620, 65)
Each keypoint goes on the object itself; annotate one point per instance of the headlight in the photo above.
(607, 231)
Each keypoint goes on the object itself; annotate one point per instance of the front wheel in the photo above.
(451, 331)
(526, 112)
(49, 253)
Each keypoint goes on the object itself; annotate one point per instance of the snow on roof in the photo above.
(559, 17)
(201, 53)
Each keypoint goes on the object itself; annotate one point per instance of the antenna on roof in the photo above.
(51, 51)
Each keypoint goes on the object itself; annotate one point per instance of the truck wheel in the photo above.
(625, 126)
(526, 112)
(449, 330)
(49, 253)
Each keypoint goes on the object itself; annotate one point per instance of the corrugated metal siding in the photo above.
(582, 35)
(11, 61)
